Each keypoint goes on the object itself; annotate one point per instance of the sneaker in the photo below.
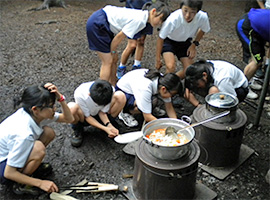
(121, 71)
(258, 80)
(43, 170)
(259, 73)
(76, 138)
(128, 119)
(136, 67)
(255, 85)
(251, 94)
(158, 112)
(21, 189)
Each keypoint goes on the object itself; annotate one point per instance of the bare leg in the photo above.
(250, 69)
(169, 62)
(106, 65)
(131, 45)
(35, 158)
(113, 78)
(76, 112)
(47, 136)
(185, 62)
(118, 103)
(140, 48)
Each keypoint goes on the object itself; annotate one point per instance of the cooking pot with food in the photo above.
(219, 102)
(162, 148)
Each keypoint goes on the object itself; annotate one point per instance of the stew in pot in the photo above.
(159, 137)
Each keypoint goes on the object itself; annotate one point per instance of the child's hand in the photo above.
(48, 186)
(112, 131)
(191, 52)
(52, 88)
(158, 64)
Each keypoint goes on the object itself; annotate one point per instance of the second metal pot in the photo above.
(219, 102)
(167, 152)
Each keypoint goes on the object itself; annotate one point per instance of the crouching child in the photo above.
(95, 100)
(25, 135)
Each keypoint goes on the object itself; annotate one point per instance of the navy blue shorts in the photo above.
(177, 48)
(130, 101)
(2, 169)
(241, 93)
(148, 30)
(252, 42)
(98, 32)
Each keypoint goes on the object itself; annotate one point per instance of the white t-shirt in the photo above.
(128, 20)
(176, 27)
(141, 87)
(18, 134)
(86, 103)
(228, 77)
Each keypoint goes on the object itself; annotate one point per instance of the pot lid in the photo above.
(221, 100)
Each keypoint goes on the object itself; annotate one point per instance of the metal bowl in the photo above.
(167, 152)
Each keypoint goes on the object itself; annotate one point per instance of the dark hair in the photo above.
(161, 7)
(195, 72)
(35, 96)
(101, 92)
(194, 4)
(170, 81)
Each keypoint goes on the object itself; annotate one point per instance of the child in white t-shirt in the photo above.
(177, 33)
(107, 27)
(213, 76)
(135, 45)
(26, 134)
(95, 99)
(140, 86)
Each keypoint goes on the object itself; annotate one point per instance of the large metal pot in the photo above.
(167, 152)
(219, 102)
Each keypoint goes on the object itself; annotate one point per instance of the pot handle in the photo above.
(186, 119)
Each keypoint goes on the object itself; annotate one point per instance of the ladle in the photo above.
(172, 132)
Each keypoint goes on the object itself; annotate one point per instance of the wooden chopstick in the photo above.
(85, 185)
(78, 188)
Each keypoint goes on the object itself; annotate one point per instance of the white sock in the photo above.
(121, 65)
(137, 62)
(267, 61)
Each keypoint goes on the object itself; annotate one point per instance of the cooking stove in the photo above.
(165, 179)
(219, 142)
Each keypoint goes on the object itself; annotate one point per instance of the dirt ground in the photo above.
(51, 46)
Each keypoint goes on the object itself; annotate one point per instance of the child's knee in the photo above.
(170, 68)
(73, 107)
(141, 42)
(39, 150)
(75, 110)
(132, 44)
(48, 133)
(119, 97)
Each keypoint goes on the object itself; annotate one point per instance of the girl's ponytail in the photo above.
(152, 73)
(16, 102)
(171, 81)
